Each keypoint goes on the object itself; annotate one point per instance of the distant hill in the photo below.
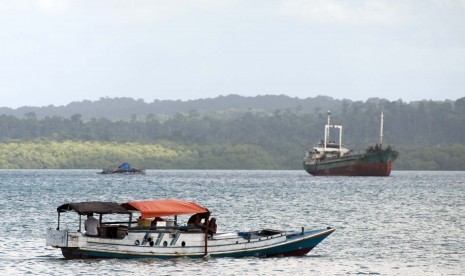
(227, 132)
(125, 108)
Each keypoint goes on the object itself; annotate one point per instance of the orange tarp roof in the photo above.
(166, 207)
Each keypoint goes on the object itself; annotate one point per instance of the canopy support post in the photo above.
(79, 230)
(130, 219)
(58, 227)
(206, 241)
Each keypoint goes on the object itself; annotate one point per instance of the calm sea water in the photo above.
(411, 223)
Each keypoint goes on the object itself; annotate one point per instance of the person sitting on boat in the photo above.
(196, 219)
(91, 225)
(155, 220)
(211, 227)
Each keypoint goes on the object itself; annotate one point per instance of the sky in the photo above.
(54, 52)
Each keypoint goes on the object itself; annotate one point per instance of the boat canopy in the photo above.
(98, 207)
(165, 207)
(125, 166)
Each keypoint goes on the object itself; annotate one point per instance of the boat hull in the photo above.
(372, 163)
(131, 171)
(221, 245)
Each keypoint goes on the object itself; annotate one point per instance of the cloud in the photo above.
(52, 7)
(340, 11)
(137, 11)
(450, 3)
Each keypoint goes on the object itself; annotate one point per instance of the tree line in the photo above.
(430, 135)
(41, 154)
(124, 108)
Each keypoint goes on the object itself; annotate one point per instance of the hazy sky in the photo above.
(56, 52)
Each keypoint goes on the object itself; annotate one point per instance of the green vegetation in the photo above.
(443, 158)
(165, 155)
(430, 136)
(169, 155)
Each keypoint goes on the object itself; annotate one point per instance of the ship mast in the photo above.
(381, 131)
(327, 129)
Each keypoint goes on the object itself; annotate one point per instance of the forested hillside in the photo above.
(163, 155)
(127, 108)
(430, 136)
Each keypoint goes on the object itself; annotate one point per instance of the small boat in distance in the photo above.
(123, 168)
(167, 238)
(331, 158)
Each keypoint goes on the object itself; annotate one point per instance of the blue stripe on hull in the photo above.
(288, 249)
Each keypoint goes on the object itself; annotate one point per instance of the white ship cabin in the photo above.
(330, 149)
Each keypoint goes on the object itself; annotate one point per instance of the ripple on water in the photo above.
(410, 223)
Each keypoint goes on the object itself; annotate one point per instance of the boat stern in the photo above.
(57, 238)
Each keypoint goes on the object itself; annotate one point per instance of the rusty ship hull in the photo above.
(369, 163)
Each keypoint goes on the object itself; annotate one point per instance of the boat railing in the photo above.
(116, 223)
(135, 228)
(355, 152)
(349, 154)
(166, 228)
(118, 231)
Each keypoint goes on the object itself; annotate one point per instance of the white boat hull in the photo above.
(173, 243)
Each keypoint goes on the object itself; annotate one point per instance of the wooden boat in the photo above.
(124, 168)
(168, 239)
(118, 171)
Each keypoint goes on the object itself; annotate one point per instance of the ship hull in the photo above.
(372, 163)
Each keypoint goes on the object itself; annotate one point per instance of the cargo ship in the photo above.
(332, 158)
